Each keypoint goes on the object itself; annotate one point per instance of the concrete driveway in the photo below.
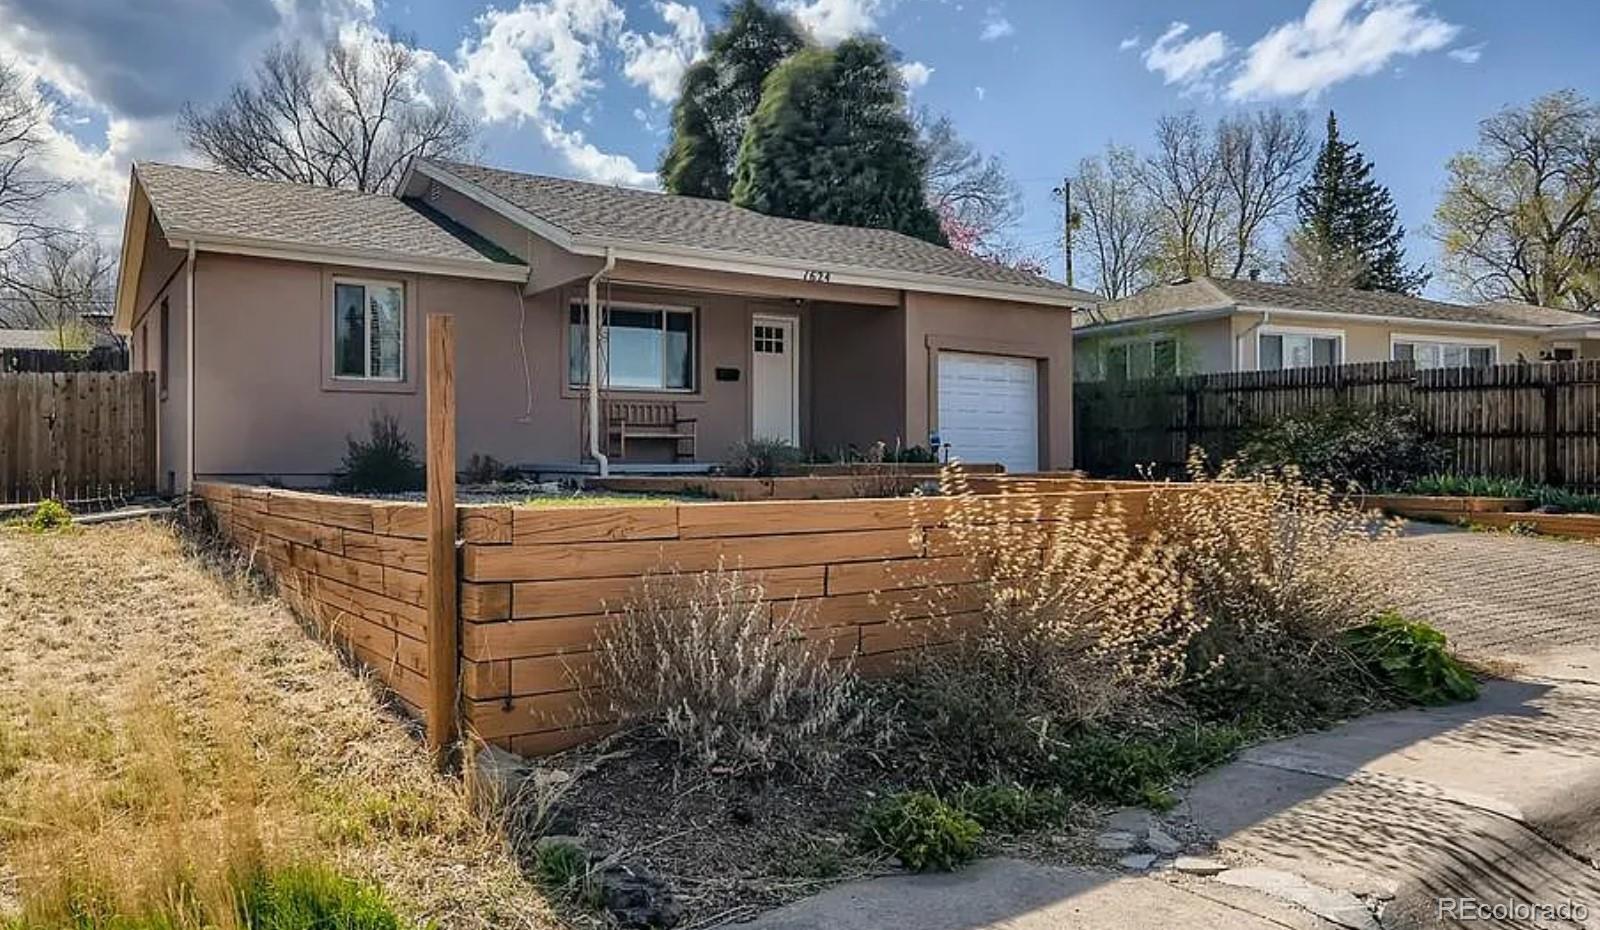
(1369, 825)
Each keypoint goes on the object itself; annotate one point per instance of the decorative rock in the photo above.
(1137, 862)
(1115, 841)
(1196, 865)
(636, 898)
(1337, 907)
(1159, 841)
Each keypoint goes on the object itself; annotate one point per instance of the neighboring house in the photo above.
(302, 310)
(83, 348)
(1222, 324)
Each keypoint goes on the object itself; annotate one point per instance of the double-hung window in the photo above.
(1156, 357)
(1276, 351)
(1439, 353)
(645, 348)
(369, 322)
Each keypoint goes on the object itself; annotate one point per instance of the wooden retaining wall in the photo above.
(356, 568)
(540, 585)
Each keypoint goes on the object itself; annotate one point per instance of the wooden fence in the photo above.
(1539, 422)
(77, 435)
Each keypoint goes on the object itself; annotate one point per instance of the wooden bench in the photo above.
(656, 420)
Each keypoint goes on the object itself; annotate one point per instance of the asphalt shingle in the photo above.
(603, 212)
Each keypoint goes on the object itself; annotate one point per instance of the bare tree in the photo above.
(1115, 221)
(1187, 190)
(1520, 217)
(1262, 160)
(23, 191)
(356, 119)
(969, 191)
(62, 283)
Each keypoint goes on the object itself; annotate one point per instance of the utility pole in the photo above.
(1065, 193)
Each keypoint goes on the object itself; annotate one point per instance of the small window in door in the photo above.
(769, 339)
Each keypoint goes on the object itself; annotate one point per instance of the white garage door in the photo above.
(989, 409)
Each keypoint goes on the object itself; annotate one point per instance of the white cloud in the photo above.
(537, 56)
(1467, 55)
(657, 61)
(1334, 41)
(995, 26)
(1187, 62)
(1131, 42)
(833, 20)
(915, 74)
(982, 92)
(591, 162)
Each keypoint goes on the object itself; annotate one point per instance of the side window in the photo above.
(368, 319)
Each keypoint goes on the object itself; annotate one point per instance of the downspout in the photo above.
(1238, 342)
(189, 375)
(594, 363)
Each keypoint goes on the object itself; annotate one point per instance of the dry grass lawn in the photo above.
(163, 722)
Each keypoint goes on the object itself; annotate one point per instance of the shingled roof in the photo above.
(1196, 294)
(211, 205)
(599, 212)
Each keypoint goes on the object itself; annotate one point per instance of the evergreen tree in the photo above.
(1349, 226)
(719, 94)
(832, 142)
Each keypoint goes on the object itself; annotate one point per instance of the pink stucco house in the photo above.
(279, 316)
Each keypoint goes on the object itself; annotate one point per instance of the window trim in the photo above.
(366, 353)
(1270, 329)
(695, 374)
(1480, 342)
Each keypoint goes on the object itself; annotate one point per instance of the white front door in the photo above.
(775, 378)
(989, 409)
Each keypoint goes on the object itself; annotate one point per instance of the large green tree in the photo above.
(720, 92)
(1350, 232)
(832, 142)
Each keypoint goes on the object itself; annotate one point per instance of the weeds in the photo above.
(562, 868)
(50, 515)
(385, 462)
(761, 458)
(1012, 809)
(314, 898)
(709, 663)
(923, 831)
(1413, 659)
(1139, 769)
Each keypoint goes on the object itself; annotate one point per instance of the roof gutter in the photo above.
(189, 373)
(1402, 320)
(266, 248)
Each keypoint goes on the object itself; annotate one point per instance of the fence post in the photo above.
(443, 658)
(1552, 424)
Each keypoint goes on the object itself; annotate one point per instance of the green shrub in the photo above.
(49, 515)
(923, 831)
(1543, 495)
(761, 458)
(1413, 659)
(1011, 809)
(1368, 447)
(486, 469)
(314, 898)
(385, 462)
(1141, 769)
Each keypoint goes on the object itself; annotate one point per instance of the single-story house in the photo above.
(86, 347)
(1199, 325)
(279, 316)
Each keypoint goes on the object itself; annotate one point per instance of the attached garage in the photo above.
(989, 409)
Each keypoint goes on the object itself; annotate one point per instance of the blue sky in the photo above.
(582, 87)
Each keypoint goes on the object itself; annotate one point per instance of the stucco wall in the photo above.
(161, 278)
(936, 321)
(1370, 342)
(858, 363)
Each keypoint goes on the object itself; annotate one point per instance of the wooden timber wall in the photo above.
(77, 435)
(355, 568)
(540, 585)
(1539, 422)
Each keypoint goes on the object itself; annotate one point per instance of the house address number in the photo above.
(820, 277)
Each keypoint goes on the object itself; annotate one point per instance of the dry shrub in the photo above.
(1279, 567)
(706, 661)
(1079, 615)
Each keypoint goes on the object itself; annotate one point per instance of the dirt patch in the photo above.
(100, 625)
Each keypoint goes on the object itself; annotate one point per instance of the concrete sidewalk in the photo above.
(1368, 825)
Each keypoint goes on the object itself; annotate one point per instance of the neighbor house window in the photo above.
(1276, 351)
(1433, 353)
(645, 348)
(1148, 358)
(369, 330)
